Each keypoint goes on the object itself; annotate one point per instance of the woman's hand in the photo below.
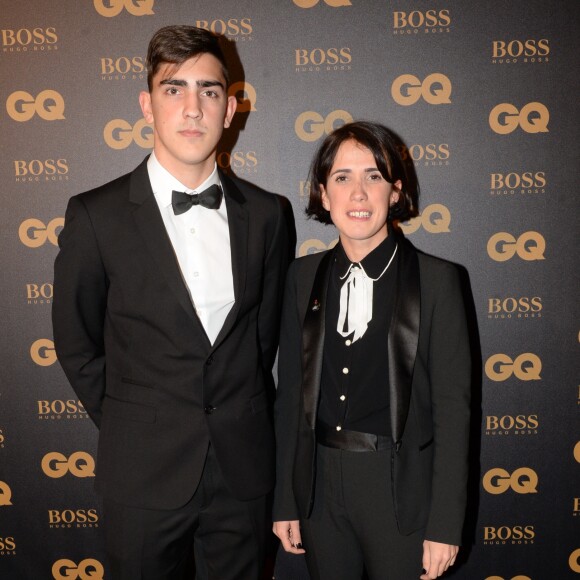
(437, 558)
(289, 534)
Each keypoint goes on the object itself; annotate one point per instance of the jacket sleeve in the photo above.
(450, 379)
(79, 307)
(287, 408)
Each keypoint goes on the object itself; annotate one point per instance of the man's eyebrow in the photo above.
(203, 84)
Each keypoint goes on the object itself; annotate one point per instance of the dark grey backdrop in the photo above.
(309, 65)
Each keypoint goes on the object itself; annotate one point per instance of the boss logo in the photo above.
(522, 307)
(88, 569)
(67, 518)
(518, 424)
(532, 118)
(35, 169)
(111, 8)
(313, 246)
(79, 464)
(34, 233)
(430, 154)
(25, 37)
(530, 246)
(519, 48)
(416, 19)
(526, 182)
(48, 105)
(246, 96)
(39, 293)
(435, 89)
(511, 534)
(320, 56)
(523, 480)
(331, 3)
(7, 545)
(59, 407)
(119, 134)
(238, 161)
(122, 65)
(311, 126)
(5, 494)
(526, 367)
(434, 219)
(232, 27)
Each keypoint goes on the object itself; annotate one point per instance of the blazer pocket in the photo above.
(133, 382)
(259, 403)
(129, 411)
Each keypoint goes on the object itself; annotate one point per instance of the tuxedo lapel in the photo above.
(150, 224)
(313, 338)
(403, 337)
(238, 224)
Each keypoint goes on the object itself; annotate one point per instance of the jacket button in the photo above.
(208, 410)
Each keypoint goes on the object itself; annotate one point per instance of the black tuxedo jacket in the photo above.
(429, 383)
(129, 340)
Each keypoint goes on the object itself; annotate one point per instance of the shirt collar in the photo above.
(163, 183)
(373, 263)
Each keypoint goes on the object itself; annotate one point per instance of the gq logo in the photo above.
(406, 90)
(34, 233)
(435, 219)
(48, 105)
(311, 126)
(331, 3)
(42, 352)
(5, 494)
(530, 246)
(88, 569)
(80, 464)
(246, 96)
(533, 118)
(119, 134)
(526, 367)
(574, 561)
(112, 8)
(514, 578)
(523, 480)
(313, 246)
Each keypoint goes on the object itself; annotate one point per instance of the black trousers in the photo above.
(225, 536)
(353, 527)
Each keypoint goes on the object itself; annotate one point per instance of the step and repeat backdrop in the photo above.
(484, 96)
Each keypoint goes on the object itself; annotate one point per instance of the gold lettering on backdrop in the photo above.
(529, 246)
(48, 105)
(526, 367)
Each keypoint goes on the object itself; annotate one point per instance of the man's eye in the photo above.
(172, 91)
(211, 94)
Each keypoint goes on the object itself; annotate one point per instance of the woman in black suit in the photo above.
(372, 410)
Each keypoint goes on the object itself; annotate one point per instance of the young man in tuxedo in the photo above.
(167, 296)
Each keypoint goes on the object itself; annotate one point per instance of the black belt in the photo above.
(350, 440)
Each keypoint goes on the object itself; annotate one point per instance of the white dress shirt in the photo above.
(201, 240)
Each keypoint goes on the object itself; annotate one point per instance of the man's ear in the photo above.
(232, 105)
(145, 102)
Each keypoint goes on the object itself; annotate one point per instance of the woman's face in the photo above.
(358, 199)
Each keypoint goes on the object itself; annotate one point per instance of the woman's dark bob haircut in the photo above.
(384, 145)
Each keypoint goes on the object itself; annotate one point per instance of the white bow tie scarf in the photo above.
(356, 300)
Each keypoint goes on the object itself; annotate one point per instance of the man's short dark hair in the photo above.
(178, 43)
(384, 145)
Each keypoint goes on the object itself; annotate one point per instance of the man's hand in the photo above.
(289, 534)
(437, 558)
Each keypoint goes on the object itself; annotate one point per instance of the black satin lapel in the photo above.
(313, 339)
(403, 337)
(238, 224)
(150, 224)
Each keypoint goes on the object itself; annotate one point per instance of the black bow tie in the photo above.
(210, 198)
